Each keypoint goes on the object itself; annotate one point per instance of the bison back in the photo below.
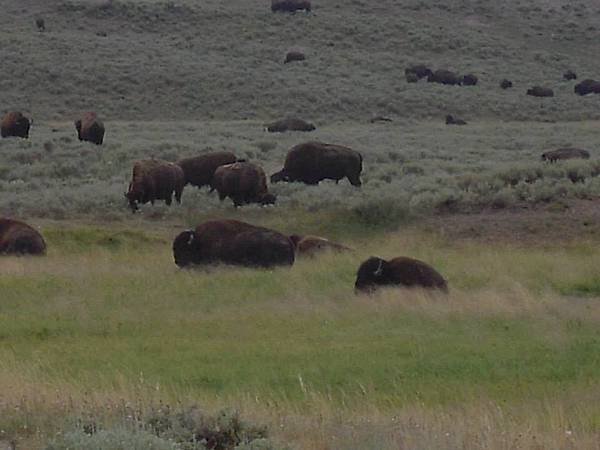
(199, 170)
(260, 248)
(19, 238)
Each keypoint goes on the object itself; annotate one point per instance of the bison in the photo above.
(401, 271)
(451, 120)
(290, 124)
(290, 5)
(312, 162)
(18, 238)
(232, 242)
(90, 128)
(294, 55)
(506, 84)
(444, 77)
(40, 24)
(419, 71)
(565, 153)
(242, 182)
(569, 75)
(469, 80)
(587, 86)
(411, 77)
(538, 91)
(154, 179)
(199, 170)
(311, 245)
(15, 124)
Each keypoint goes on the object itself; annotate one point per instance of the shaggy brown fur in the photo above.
(232, 242)
(294, 55)
(401, 271)
(90, 128)
(444, 77)
(199, 170)
(290, 5)
(587, 86)
(565, 153)
(290, 124)
(154, 179)
(15, 124)
(242, 182)
(18, 238)
(312, 162)
(311, 245)
(538, 91)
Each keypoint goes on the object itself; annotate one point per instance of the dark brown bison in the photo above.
(15, 124)
(90, 128)
(539, 91)
(565, 153)
(290, 124)
(377, 119)
(411, 77)
(242, 182)
(444, 77)
(469, 80)
(290, 5)
(154, 179)
(312, 162)
(232, 242)
(569, 75)
(18, 238)
(199, 170)
(294, 55)
(506, 84)
(451, 120)
(311, 245)
(40, 24)
(587, 86)
(401, 271)
(419, 71)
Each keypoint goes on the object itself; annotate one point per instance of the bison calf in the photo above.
(18, 238)
(154, 179)
(199, 170)
(243, 183)
(15, 124)
(232, 242)
(90, 128)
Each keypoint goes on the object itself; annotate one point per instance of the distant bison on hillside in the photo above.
(469, 80)
(444, 77)
(294, 55)
(242, 182)
(15, 124)
(290, 5)
(417, 72)
(199, 170)
(587, 86)
(506, 84)
(570, 75)
(290, 124)
(18, 238)
(401, 271)
(154, 179)
(451, 120)
(539, 91)
(565, 153)
(312, 162)
(90, 128)
(232, 242)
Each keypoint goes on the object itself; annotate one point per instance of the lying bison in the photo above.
(290, 124)
(506, 84)
(154, 179)
(565, 153)
(311, 245)
(242, 182)
(199, 170)
(569, 75)
(232, 242)
(587, 86)
(294, 55)
(290, 5)
(419, 71)
(90, 128)
(402, 271)
(15, 124)
(312, 162)
(539, 91)
(444, 77)
(451, 120)
(469, 80)
(18, 238)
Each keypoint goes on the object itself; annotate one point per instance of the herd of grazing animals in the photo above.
(239, 243)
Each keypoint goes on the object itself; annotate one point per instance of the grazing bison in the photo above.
(451, 120)
(291, 124)
(290, 5)
(294, 55)
(199, 170)
(587, 86)
(380, 119)
(242, 182)
(15, 124)
(469, 80)
(419, 70)
(40, 24)
(411, 77)
(570, 75)
(538, 91)
(154, 179)
(18, 238)
(90, 128)
(402, 271)
(232, 242)
(444, 77)
(565, 153)
(506, 84)
(311, 245)
(312, 162)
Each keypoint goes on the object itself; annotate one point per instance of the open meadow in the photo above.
(105, 339)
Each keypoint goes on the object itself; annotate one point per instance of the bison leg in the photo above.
(178, 194)
(169, 199)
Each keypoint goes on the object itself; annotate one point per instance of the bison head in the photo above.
(184, 248)
(371, 273)
(132, 197)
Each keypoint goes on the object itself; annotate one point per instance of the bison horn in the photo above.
(191, 239)
(379, 270)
